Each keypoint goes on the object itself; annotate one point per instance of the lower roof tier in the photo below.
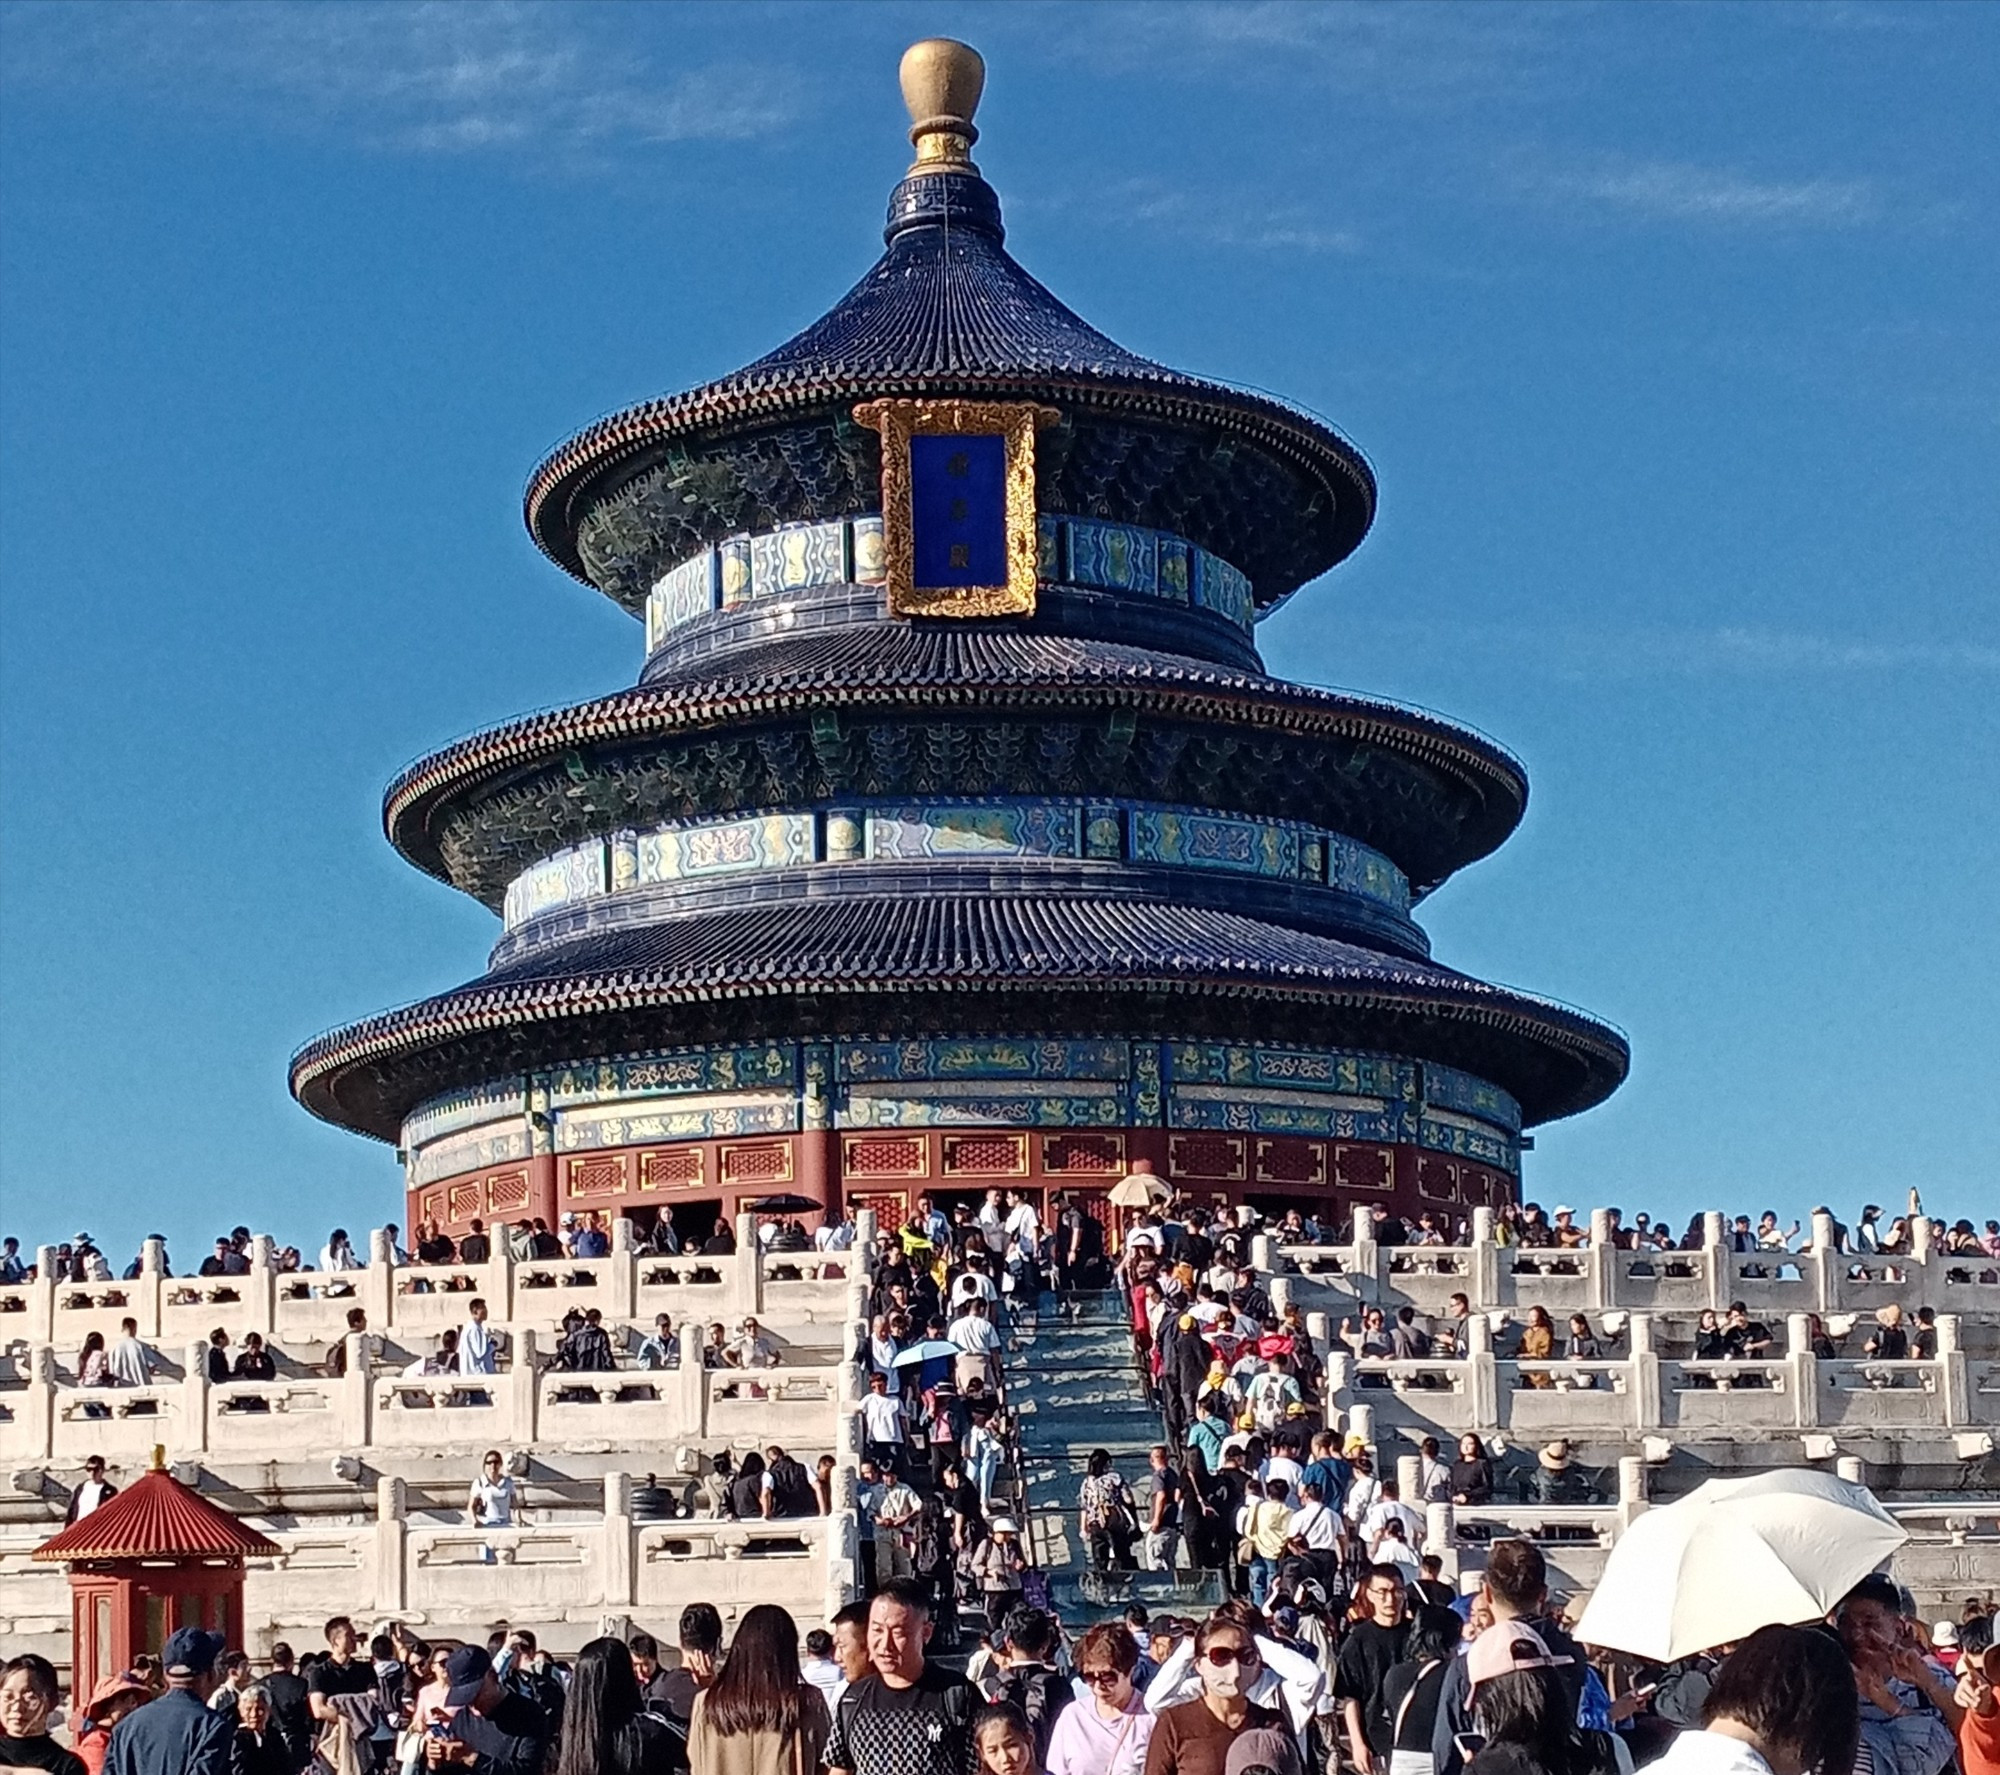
(926, 709)
(945, 964)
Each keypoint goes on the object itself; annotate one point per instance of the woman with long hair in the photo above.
(760, 1716)
(1472, 1472)
(1538, 1344)
(605, 1731)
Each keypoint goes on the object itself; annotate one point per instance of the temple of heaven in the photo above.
(954, 835)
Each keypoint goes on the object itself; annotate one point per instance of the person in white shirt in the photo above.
(977, 1340)
(1363, 1490)
(834, 1235)
(93, 1490)
(1024, 1227)
(882, 1423)
(753, 1347)
(973, 1285)
(1313, 1523)
(338, 1253)
(992, 1223)
(491, 1501)
(1393, 1549)
(478, 1353)
(1389, 1507)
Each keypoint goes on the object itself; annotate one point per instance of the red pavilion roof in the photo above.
(157, 1517)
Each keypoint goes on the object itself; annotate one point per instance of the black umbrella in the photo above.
(784, 1205)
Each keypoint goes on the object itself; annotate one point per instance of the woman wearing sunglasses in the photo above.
(1194, 1738)
(1107, 1729)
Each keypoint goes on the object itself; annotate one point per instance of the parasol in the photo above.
(1734, 1555)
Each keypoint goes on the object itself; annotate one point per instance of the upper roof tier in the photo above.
(947, 312)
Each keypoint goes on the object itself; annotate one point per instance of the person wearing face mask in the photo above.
(1194, 1737)
(1107, 1729)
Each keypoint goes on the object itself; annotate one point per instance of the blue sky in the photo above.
(1670, 332)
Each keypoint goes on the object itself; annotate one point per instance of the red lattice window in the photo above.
(430, 1205)
(991, 1155)
(769, 1161)
(1291, 1161)
(1437, 1179)
(1218, 1156)
(678, 1167)
(884, 1155)
(464, 1200)
(1364, 1167)
(1479, 1186)
(1094, 1154)
(601, 1174)
(507, 1190)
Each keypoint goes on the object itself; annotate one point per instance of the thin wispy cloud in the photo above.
(1680, 191)
(1658, 650)
(1198, 217)
(433, 77)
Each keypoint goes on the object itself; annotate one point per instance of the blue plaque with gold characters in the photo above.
(958, 504)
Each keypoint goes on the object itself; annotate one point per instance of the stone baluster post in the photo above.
(41, 1326)
(1717, 1260)
(1482, 1375)
(1643, 1370)
(1954, 1381)
(194, 1402)
(1631, 1490)
(1264, 1254)
(38, 1408)
(1820, 1263)
(1483, 1283)
(1320, 1329)
(392, 1546)
(498, 1288)
(524, 1387)
(1367, 1265)
(1802, 1370)
(622, 1297)
(1440, 1537)
(618, 1559)
(691, 1420)
(260, 1287)
(864, 1230)
(1280, 1291)
(1849, 1467)
(148, 1295)
(1410, 1480)
(356, 1392)
(378, 1281)
(1361, 1423)
(1604, 1271)
(746, 1271)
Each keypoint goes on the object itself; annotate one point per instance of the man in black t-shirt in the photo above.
(1371, 1648)
(907, 1717)
(289, 1712)
(341, 1672)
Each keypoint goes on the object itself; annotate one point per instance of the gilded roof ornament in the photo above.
(942, 80)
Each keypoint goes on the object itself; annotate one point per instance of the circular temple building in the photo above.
(954, 835)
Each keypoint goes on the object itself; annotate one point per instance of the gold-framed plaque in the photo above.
(958, 504)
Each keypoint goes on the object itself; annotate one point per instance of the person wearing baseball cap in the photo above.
(496, 1730)
(179, 1733)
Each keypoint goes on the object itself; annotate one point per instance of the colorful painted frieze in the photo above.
(873, 1062)
(1214, 841)
(638, 1123)
(976, 829)
(797, 557)
(1447, 1088)
(1116, 557)
(914, 1108)
(1296, 1069)
(689, 1071)
(1467, 1139)
(498, 1143)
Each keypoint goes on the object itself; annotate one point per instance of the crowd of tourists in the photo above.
(1398, 1682)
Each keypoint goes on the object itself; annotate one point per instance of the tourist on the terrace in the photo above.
(130, 1362)
(433, 1244)
(225, 1260)
(92, 1491)
(1538, 1343)
(492, 1501)
(1472, 1472)
(13, 1272)
(335, 1364)
(978, 1342)
(217, 1360)
(721, 1242)
(475, 1247)
(1888, 1342)
(882, 1423)
(478, 1352)
(253, 1363)
(662, 1348)
(1582, 1345)
(1567, 1235)
(93, 1369)
(1745, 1339)
(1433, 1473)
(752, 1347)
(338, 1253)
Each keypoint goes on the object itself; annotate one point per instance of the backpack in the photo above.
(1040, 1694)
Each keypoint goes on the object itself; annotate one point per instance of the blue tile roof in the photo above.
(1554, 1059)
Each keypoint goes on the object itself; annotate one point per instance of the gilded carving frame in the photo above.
(1016, 421)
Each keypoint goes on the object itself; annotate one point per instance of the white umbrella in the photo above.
(1734, 1555)
(1138, 1188)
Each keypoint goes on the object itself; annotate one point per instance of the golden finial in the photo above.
(942, 80)
(159, 1457)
